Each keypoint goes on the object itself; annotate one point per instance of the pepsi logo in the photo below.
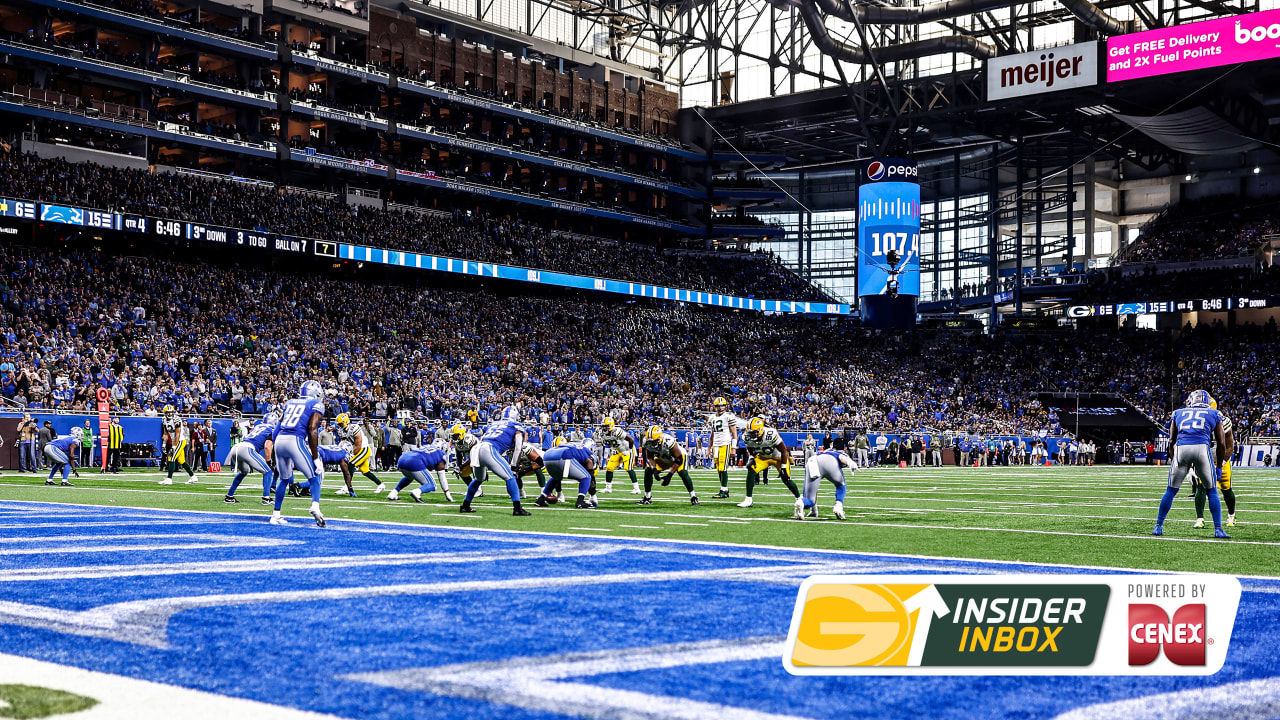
(875, 170)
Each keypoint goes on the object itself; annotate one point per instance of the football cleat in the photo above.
(193, 479)
(1231, 520)
(167, 481)
(746, 503)
(416, 494)
(520, 512)
(230, 500)
(838, 510)
(721, 495)
(381, 487)
(448, 495)
(694, 500)
(608, 488)
(67, 484)
(1220, 533)
(1199, 523)
(465, 507)
(583, 504)
(645, 501)
(799, 509)
(268, 501)
(294, 489)
(635, 490)
(340, 491)
(315, 513)
(595, 502)
(278, 520)
(541, 501)
(813, 512)
(480, 493)
(393, 495)
(51, 481)
(1158, 531)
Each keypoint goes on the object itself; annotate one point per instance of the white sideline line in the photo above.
(591, 529)
(645, 527)
(685, 523)
(355, 524)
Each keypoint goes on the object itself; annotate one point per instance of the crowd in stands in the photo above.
(467, 235)
(1203, 230)
(215, 339)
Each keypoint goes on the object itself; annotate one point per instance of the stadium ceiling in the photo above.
(893, 102)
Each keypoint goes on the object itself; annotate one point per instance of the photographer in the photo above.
(28, 436)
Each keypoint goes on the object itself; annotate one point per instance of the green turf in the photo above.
(1098, 516)
(26, 701)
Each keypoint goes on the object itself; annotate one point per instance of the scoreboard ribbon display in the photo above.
(1012, 625)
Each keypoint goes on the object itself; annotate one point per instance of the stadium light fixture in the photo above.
(1256, 169)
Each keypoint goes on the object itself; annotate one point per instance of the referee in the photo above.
(115, 442)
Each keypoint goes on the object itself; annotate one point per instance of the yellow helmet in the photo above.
(608, 423)
(343, 420)
(655, 432)
(1213, 404)
(720, 402)
(756, 426)
(558, 441)
(458, 430)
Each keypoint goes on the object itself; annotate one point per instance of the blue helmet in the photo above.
(1199, 399)
(311, 389)
(511, 412)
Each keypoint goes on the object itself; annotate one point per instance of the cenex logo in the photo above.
(875, 170)
(1183, 638)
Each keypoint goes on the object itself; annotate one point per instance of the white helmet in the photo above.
(311, 389)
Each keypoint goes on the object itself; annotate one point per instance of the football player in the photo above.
(463, 442)
(829, 465)
(417, 466)
(1224, 475)
(361, 456)
(253, 454)
(297, 447)
(62, 452)
(340, 455)
(1190, 431)
(575, 461)
(502, 440)
(768, 450)
(663, 454)
(530, 463)
(176, 438)
(724, 438)
(620, 446)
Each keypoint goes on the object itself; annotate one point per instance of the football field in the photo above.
(133, 600)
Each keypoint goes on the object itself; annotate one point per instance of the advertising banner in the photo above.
(1012, 625)
(1049, 70)
(889, 220)
(1093, 410)
(1194, 46)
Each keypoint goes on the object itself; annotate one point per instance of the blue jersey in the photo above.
(64, 443)
(568, 451)
(1195, 425)
(502, 434)
(332, 454)
(833, 453)
(259, 435)
(295, 417)
(421, 459)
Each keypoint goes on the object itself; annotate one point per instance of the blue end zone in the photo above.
(381, 620)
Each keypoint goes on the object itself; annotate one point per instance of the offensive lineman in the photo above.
(501, 439)
(1190, 431)
(620, 446)
(724, 438)
(768, 450)
(176, 437)
(416, 466)
(253, 454)
(663, 453)
(830, 465)
(575, 461)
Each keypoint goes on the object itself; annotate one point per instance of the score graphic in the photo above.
(889, 229)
